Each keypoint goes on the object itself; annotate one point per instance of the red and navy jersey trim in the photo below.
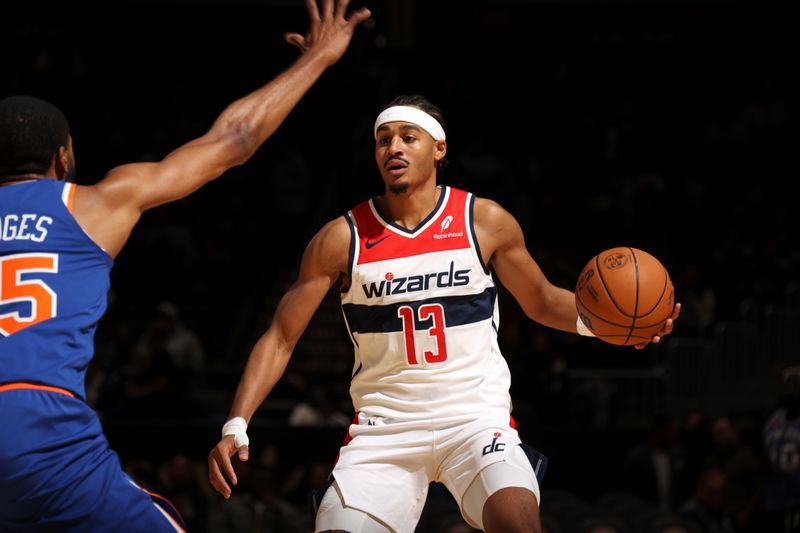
(471, 226)
(398, 227)
(352, 250)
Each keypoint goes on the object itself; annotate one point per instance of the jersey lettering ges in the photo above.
(421, 309)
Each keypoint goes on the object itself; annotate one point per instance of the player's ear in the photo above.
(441, 150)
(61, 163)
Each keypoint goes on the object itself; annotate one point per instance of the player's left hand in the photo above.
(666, 330)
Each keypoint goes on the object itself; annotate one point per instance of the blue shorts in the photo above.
(58, 474)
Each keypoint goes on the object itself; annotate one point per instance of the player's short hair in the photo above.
(31, 132)
(420, 102)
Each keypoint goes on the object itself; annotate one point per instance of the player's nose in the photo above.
(395, 145)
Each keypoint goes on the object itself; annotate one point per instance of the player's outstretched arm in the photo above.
(503, 244)
(324, 261)
(109, 210)
(502, 241)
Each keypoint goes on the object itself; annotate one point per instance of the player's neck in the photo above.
(410, 208)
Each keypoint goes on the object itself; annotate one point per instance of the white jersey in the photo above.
(422, 313)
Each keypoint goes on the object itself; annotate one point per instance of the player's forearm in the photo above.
(265, 366)
(252, 119)
(557, 309)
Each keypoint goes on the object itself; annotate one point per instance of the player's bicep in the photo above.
(511, 261)
(521, 275)
(324, 261)
(296, 308)
(141, 186)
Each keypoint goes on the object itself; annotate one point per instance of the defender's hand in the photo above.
(329, 32)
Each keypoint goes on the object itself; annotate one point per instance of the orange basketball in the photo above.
(624, 296)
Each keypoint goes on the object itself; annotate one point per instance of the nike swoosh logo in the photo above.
(369, 244)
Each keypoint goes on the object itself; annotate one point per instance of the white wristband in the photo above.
(582, 329)
(238, 428)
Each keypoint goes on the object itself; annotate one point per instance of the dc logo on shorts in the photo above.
(494, 446)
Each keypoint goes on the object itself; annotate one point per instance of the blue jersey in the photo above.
(57, 473)
(53, 285)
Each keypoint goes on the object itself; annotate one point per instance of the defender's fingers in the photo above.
(359, 16)
(341, 8)
(313, 10)
(327, 9)
(296, 39)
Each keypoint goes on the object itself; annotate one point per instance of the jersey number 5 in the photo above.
(14, 289)
(436, 311)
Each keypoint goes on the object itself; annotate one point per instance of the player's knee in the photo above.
(512, 510)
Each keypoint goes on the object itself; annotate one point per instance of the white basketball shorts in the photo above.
(387, 466)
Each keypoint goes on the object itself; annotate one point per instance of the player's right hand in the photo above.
(219, 462)
(329, 31)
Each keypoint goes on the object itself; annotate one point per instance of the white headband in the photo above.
(413, 115)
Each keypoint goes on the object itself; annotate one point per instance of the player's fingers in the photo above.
(296, 39)
(676, 312)
(341, 8)
(327, 9)
(216, 478)
(244, 453)
(313, 11)
(227, 467)
(359, 16)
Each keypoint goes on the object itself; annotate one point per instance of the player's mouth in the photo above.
(396, 166)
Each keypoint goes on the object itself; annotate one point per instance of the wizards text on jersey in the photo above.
(423, 282)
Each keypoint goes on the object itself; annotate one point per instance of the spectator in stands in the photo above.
(782, 446)
(743, 490)
(705, 511)
(652, 468)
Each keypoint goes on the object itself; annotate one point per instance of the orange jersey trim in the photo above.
(71, 196)
(34, 386)
(171, 520)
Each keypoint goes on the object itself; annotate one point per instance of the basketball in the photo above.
(624, 296)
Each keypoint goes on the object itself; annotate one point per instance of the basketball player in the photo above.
(57, 245)
(429, 385)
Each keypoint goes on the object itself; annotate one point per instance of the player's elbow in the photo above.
(236, 140)
(240, 145)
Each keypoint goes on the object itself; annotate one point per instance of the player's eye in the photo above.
(409, 139)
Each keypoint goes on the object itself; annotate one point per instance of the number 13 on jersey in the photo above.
(434, 311)
(14, 289)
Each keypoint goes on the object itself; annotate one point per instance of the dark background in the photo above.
(666, 126)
